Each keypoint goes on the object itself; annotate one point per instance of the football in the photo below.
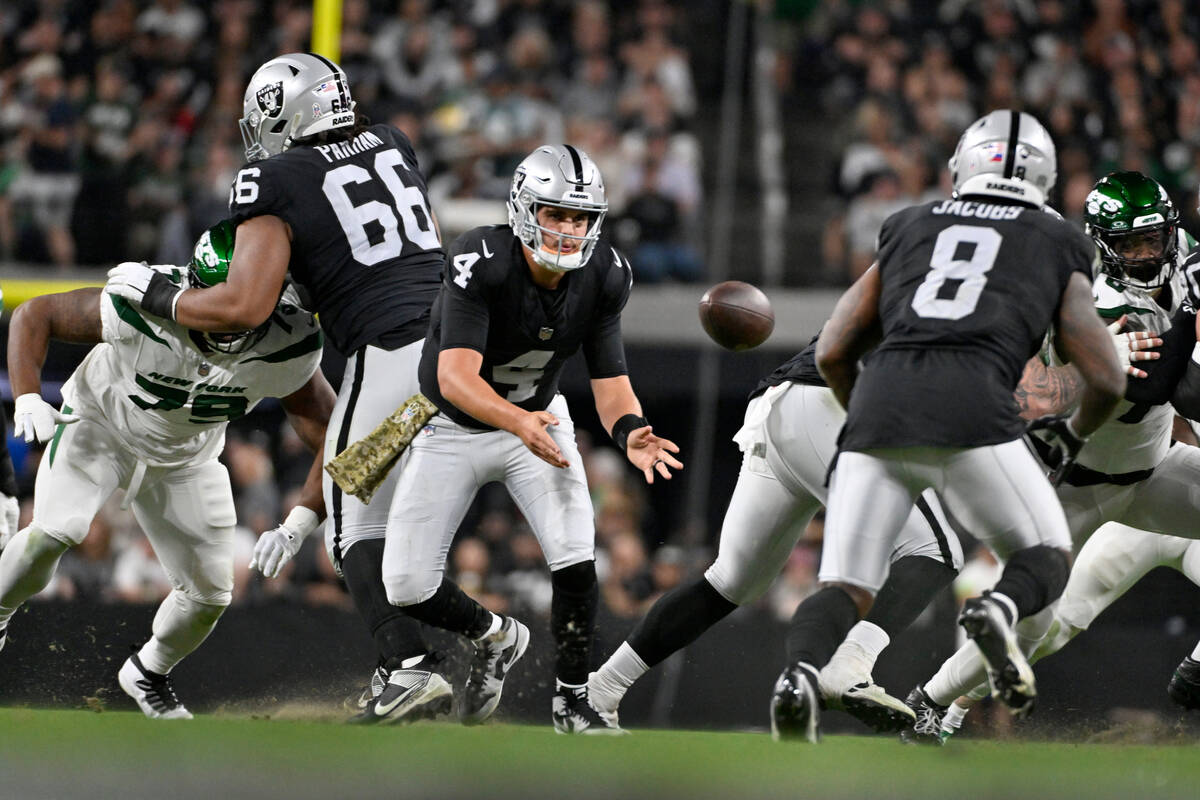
(736, 315)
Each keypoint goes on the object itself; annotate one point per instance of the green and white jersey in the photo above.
(170, 400)
(1136, 437)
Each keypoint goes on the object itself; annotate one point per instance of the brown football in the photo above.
(736, 315)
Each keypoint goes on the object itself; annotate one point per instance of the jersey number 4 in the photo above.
(952, 288)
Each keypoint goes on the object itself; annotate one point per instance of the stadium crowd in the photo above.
(117, 119)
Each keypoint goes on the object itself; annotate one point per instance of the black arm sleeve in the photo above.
(8, 476)
(1165, 374)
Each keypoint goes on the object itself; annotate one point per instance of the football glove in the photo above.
(276, 547)
(35, 419)
(146, 286)
(1064, 443)
(10, 512)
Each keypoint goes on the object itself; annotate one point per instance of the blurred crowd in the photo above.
(118, 118)
(1117, 83)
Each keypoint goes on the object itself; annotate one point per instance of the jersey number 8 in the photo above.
(952, 288)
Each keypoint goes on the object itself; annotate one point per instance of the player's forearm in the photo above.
(222, 308)
(472, 395)
(1045, 390)
(28, 342)
(614, 399)
(310, 493)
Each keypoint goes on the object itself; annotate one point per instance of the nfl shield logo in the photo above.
(545, 333)
(205, 368)
(270, 99)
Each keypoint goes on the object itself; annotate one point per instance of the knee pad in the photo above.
(206, 611)
(408, 588)
(576, 579)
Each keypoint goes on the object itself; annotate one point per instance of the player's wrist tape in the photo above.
(625, 426)
(302, 521)
(161, 296)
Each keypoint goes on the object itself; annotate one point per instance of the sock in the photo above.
(952, 720)
(397, 635)
(451, 609)
(819, 625)
(677, 619)
(1033, 578)
(911, 585)
(607, 685)
(26, 567)
(960, 673)
(573, 620)
(180, 625)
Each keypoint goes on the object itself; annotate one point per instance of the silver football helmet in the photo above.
(562, 176)
(291, 96)
(1005, 154)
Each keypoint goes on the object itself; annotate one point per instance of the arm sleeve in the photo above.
(464, 299)
(1164, 375)
(603, 347)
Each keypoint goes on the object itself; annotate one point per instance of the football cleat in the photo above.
(1008, 672)
(796, 707)
(927, 729)
(374, 688)
(572, 712)
(409, 694)
(154, 693)
(494, 657)
(1184, 687)
(869, 703)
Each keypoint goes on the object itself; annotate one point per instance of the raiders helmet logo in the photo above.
(270, 99)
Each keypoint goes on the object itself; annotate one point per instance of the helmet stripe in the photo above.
(1010, 156)
(337, 77)
(577, 163)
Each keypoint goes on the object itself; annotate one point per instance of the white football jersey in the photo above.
(1136, 437)
(170, 400)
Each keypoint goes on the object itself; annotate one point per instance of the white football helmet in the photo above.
(561, 176)
(1005, 154)
(291, 96)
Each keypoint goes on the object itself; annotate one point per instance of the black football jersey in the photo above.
(488, 302)
(800, 368)
(364, 246)
(969, 287)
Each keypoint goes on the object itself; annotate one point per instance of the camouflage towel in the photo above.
(361, 467)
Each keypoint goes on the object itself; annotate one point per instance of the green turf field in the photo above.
(58, 754)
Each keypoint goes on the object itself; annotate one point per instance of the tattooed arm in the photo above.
(1046, 390)
(853, 329)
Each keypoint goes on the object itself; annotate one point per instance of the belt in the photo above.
(1079, 475)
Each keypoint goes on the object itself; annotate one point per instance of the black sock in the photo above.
(1033, 578)
(573, 620)
(451, 609)
(678, 619)
(912, 583)
(397, 635)
(819, 626)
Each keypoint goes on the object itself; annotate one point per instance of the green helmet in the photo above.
(210, 266)
(1134, 223)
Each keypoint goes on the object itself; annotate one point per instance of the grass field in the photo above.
(61, 754)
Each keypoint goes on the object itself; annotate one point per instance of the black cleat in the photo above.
(1009, 674)
(796, 707)
(928, 727)
(154, 693)
(1184, 687)
(494, 657)
(572, 712)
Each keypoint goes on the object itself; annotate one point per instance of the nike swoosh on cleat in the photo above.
(383, 709)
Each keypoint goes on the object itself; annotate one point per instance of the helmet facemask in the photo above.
(554, 249)
(1143, 259)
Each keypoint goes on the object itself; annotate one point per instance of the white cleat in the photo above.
(494, 657)
(154, 693)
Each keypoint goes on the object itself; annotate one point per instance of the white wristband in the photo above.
(302, 521)
(175, 303)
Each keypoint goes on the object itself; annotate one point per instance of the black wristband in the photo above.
(159, 298)
(625, 426)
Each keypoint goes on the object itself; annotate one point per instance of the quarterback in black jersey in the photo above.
(515, 303)
(341, 207)
(959, 299)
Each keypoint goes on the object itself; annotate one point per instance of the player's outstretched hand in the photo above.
(277, 546)
(145, 286)
(651, 453)
(532, 430)
(1134, 346)
(35, 419)
(10, 512)
(1063, 440)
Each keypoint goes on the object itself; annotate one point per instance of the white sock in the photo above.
(960, 673)
(1196, 652)
(607, 685)
(180, 625)
(870, 638)
(854, 659)
(953, 719)
(494, 627)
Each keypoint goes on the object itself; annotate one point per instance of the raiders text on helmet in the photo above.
(562, 176)
(1005, 154)
(1135, 226)
(293, 96)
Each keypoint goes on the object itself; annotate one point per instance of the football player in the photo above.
(146, 412)
(342, 206)
(788, 441)
(517, 301)
(961, 296)
(10, 507)
(1128, 473)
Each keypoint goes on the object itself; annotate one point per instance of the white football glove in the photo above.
(1133, 347)
(35, 419)
(10, 512)
(277, 546)
(146, 286)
